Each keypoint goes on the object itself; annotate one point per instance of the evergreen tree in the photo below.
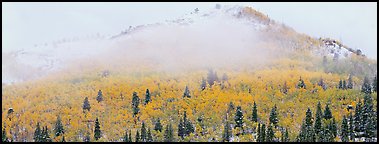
(87, 138)
(186, 93)
(270, 134)
(63, 140)
(147, 97)
(351, 126)
(149, 136)
(97, 131)
(263, 133)
(130, 136)
(344, 130)
(350, 82)
(58, 127)
(357, 120)
(181, 129)
(37, 134)
(46, 135)
(99, 97)
(367, 117)
(344, 85)
(126, 137)
(374, 88)
(318, 122)
(138, 137)
(286, 137)
(301, 84)
(328, 135)
(239, 117)
(158, 126)
(255, 113)
(322, 84)
(4, 136)
(274, 116)
(307, 133)
(143, 133)
(169, 134)
(230, 107)
(340, 86)
(259, 133)
(203, 84)
(366, 87)
(212, 77)
(86, 105)
(334, 128)
(227, 133)
(135, 103)
(327, 113)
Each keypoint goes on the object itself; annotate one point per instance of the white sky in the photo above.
(26, 24)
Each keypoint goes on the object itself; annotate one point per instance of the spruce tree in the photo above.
(125, 139)
(259, 139)
(344, 85)
(367, 117)
(137, 137)
(274, 116)
(286, 137)
(350, 82)
(147, 97)
(270, 134)
(366, 87)
(307, 133)
(158, 126)
(255, 113)
(263, 133)
(322, 84)
(143, 133)
(318, 122)
(135, 103)
(357, 120)
(334, 128)
(86, 105)
(37, 134)
(169, 134)
(181, 129)
(130, 136)
(340, 84)
(97, 131)
(186, 93)
(227, 133)
(46, 135)
(344, 130)
(58, 127)
(351, 126)
(327, 113)
(99, 97)
(63, 140)
(149, 136)
(239, 117)
(301, 84)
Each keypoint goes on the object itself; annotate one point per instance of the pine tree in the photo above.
(212, 77)
(357, 120)
(149, 136)
(307, 133)
(301, 84)
(239, 117)
(366, 87)
(318, 122)
(351, 126)
(327, 113)
(63, 140)
(350, 82)
(344, 85)
(86, 105)
(340, 86)
(169, 134)
(186, 93)
(274, 116)
(322, 84)
(37, 134)
(158, 126)
(328, 135)
(203, 84)
(286, 137)
(138, 136)
(4, 136)
(125, 139)
(259, 139)
(270, 134)
(263, 133)
(334, 128)
(58, 127)
(99, 97)
(130, 136)
(374, 81)
(367, 117)
(188, 127)
(97, 131)
(135, 103)
(46, 135)
(147, 97)
(255, 113)
(181, 129)
(143, 133)
(344, 130)
(227, 133)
